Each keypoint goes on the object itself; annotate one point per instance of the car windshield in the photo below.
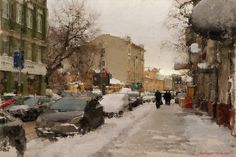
(31, 101)
(20, 100)
(69, 105)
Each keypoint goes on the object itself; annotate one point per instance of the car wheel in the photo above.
(110, 115)
(84, 128)
(130, 107)
(121, 113)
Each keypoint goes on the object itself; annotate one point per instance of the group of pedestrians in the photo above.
(166, 96)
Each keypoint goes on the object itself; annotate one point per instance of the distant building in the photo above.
(23, 25)
(151, 83)
(121, 57)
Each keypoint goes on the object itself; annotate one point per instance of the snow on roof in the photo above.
(115, 81)
(114, 102)
(9, 94)
(97, 71)
(202, 65)
(215, 18)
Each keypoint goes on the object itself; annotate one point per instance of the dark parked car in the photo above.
(69, 116)
(11, 133)
(29, 108)
(135, 99)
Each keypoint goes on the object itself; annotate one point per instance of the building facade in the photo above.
(121, 57)
(23, 26)
(151, 83)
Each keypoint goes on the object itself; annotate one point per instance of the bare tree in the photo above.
(178, 21)
(84, 62)
(71, 28)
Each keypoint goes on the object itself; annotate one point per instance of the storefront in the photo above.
(32, 77)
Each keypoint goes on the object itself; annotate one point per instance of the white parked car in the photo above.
(115, 104)
(148, 97)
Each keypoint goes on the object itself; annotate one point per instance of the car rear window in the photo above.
(69, 105)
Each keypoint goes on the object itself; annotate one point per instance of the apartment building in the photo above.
(23, 26)
(121, 57)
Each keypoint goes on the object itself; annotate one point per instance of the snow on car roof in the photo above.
(114, 102)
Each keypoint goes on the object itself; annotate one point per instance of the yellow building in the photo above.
(151, 83)
(121, 57)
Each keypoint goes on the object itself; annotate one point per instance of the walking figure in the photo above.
(167, 97)
(158, 99)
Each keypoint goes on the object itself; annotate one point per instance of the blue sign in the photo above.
(18, 59)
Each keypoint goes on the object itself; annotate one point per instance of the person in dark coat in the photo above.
(158, 98)
(167, 97)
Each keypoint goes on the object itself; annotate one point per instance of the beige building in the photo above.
(121, 57)
(151, 83)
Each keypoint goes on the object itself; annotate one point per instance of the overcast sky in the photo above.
(143, 20)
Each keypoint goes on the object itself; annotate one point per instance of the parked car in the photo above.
(29, 108)
(8, 99)
(149, 97)
(11, 133)
(93, 95)
(66, 94)
(135, 99)
(6, 103)
(115, 104)
(70, 116)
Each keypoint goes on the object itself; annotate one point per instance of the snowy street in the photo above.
(166, 132)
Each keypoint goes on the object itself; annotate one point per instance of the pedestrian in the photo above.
(167, 97)
(158, 99)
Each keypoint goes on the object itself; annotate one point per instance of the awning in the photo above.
(215, 19)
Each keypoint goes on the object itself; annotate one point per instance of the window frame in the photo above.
(5, 9)
(30, 18)
(39, 22)
(19, 14)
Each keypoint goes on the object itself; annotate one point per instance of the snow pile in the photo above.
(114, 102)
(115, 81)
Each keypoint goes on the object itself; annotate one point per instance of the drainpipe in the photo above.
(233, 112)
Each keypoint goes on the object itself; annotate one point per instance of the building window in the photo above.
(39, 23)
(29, 51)
(39, 55)
(5, 9)
(5, 45)
(19, 13)
(29, 19)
